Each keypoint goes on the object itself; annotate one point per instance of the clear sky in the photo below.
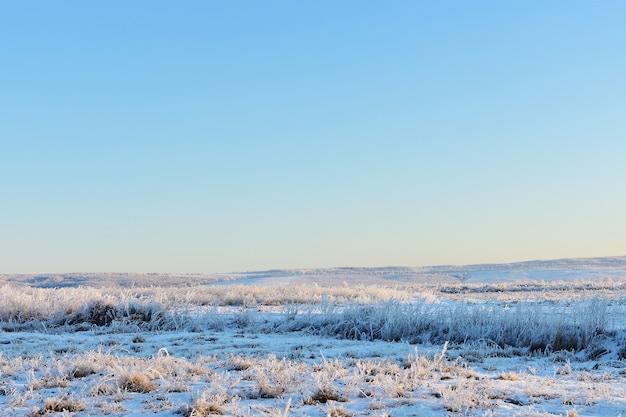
(214, 136)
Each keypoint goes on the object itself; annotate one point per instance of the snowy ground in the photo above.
(266, 355)
(257, 374)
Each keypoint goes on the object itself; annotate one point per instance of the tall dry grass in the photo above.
(404, 314)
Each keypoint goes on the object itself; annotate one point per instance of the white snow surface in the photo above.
(228, 366)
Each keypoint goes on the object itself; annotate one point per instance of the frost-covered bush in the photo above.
(530, 325)
(150, 316)
(408, 314)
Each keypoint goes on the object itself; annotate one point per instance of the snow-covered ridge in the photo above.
(569, 270)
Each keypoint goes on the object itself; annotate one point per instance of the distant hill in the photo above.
(578, 269)
(116, 279)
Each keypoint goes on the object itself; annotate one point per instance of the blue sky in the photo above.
(203, 136)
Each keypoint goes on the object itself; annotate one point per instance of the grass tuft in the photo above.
(62, 404)
(82, 370)
(136, 382)
(204, 406)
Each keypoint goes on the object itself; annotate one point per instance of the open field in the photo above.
(342, 342)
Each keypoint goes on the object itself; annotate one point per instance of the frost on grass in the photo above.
(432, 383)
(336, 351)
(63, 404)
(204, 405)
(410, 314)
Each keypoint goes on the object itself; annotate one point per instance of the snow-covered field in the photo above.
(531, 339)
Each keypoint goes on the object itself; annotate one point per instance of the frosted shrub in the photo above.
(381, 313)
(63, 404)
(464, 395)
(204, 405)
(391, 321)
(150, 316)
(82, 370)
(325, 376)
(337, 411)
(246, 318)
(275, 377)
(95, 312)
(592, 319)
(527, 326)
(136, 382)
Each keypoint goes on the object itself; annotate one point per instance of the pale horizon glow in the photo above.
(234, 136)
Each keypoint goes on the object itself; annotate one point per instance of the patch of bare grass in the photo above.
(274, 377)
(136, 382)
(61, 404)
(203, 406)
(83, 370)
(510, 376)
(337, 411)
